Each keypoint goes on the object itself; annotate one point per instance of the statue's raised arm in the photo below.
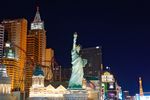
(74, 40)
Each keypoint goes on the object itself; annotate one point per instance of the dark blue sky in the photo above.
(121, 27)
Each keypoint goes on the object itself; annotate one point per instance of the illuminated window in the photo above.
(7, 44)
(10, 54)
(111, 86)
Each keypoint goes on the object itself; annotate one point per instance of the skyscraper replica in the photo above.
(38, 47)
(11, 64)
(49, 64)
(37, 53)
(1, 41)
(16, 33)
(49, 56)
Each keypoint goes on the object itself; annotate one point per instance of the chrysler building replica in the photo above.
(36, 40)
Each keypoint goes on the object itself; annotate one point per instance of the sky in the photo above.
(121, 27)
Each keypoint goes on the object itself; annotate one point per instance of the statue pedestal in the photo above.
(76, 95)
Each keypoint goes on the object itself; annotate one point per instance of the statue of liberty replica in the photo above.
(75, 91)
(77, 66)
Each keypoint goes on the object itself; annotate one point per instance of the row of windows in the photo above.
(1, 36)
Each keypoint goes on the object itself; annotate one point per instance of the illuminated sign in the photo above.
(107, 77)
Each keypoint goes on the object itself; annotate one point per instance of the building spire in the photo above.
(140, 88)
(37, 17)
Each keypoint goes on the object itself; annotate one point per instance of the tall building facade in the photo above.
(17, 34)
(32, 58)
(94, 59)
(1, 41)
(32, 47)
(49, 58)
(38, 34)
(11, 64)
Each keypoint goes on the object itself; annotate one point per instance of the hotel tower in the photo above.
(16, 34)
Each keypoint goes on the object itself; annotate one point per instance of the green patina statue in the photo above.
(77, 66)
